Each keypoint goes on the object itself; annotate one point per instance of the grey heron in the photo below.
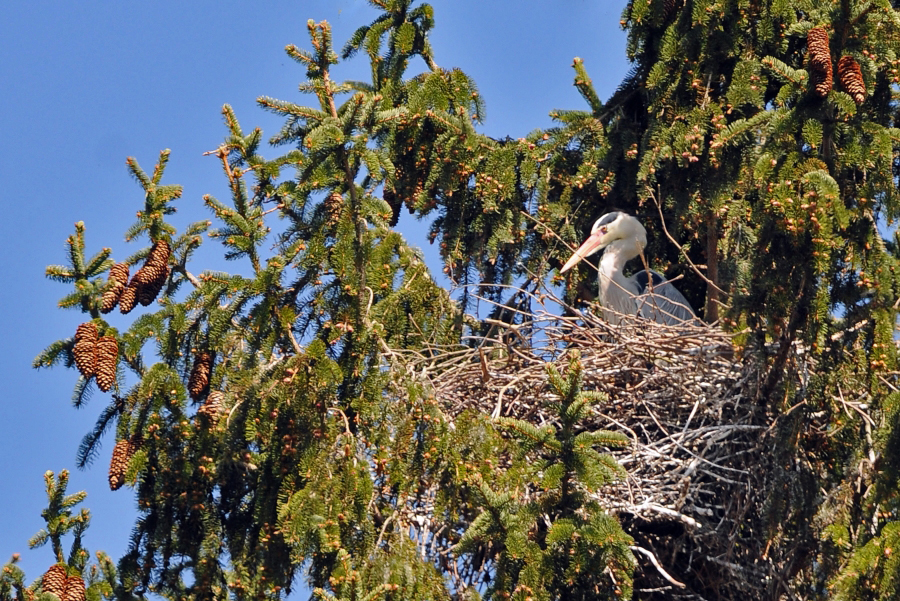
(647, 293)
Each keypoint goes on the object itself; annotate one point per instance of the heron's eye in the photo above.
(603, 230)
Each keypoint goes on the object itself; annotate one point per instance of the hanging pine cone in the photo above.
(152, 276)
(107, 357)
(150, 273)
(198, 383)
(118, 279)
(817, 48)
(54, 580)
(334, 204)
(850, 76)
(821, 82)
(820, 72)
(118, 464)
(148, 291)
(149, 279)
(87, 330)
(159, 254)
(83, 351)
(129, 298)
(74, 589)
(213, 406)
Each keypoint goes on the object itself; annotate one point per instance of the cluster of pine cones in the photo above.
(96, 355)
(121, 456)
(820, 72)
(143, 287)
(67, 588)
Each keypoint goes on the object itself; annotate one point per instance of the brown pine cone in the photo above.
(107, 358)
(334, 204)
(157, 262)
(159, 254)
(850, 76)
(148, 291)
(821, 81)
(86, 330)
(213, 406)
(118, 279)
(150, 272)
(83, 350)
(817, 48)
(129, 298)
(820, 71)
(54, 580)
(74, 589)
(118, 464)
(198, 383)
(149, 279)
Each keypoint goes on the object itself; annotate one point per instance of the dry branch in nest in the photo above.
(698, 466)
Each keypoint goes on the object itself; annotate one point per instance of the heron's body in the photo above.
(646, 293)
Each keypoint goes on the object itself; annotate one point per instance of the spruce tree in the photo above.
(272, 422)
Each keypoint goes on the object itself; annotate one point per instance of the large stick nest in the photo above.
(698, 463)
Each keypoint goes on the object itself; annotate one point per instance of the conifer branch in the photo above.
(190, 277)
(586, 87)
(680, 248)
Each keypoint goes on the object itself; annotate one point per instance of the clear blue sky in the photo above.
(84, 85)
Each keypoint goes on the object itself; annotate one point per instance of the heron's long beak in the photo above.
(590, 246)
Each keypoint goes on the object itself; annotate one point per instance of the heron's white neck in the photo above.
(612, 263)
(617, 253)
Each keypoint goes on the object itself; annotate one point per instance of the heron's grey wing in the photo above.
(661, 301)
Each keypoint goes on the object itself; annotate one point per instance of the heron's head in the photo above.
(609, 228)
